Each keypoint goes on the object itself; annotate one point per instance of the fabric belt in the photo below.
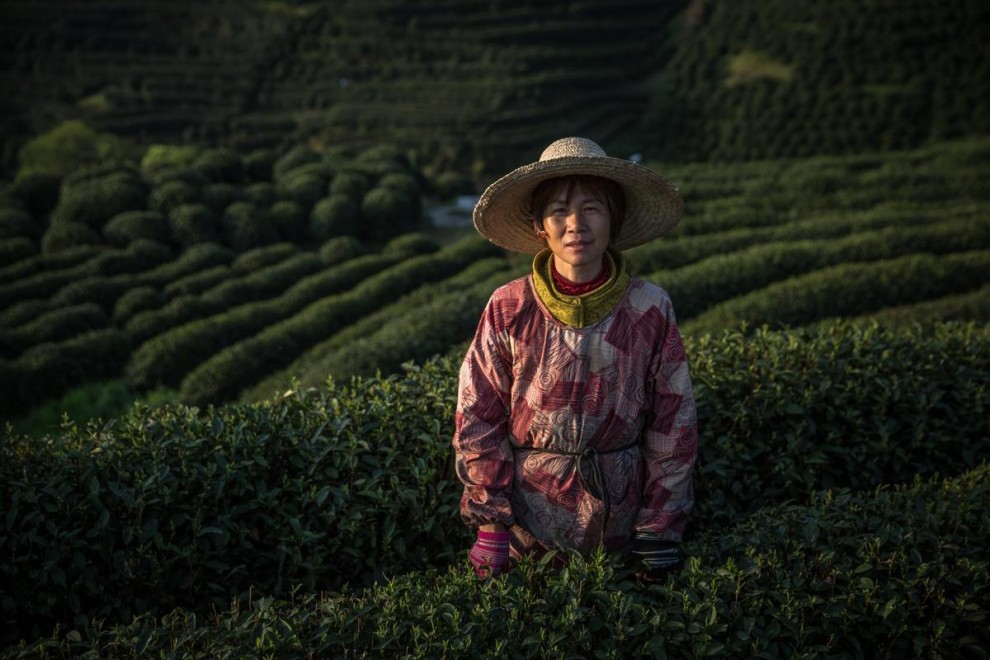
(589, 458)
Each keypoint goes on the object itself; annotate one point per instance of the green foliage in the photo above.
(13, 250)
(411, 244)
(69, 145)
(170, 195)
(699, 286)
(94, 201)
(38, 192)
(839, 290)
(352, 184)
(58, 324)
(192, 224)
(67, 235)
(47, 370)
(207, 323)
(387, 213)
(449, 185)
(126, 227)
(335, 216)
(227, 373)
(195, 509)
(290, 221)
(245, 226)
(135, 300)
(15, 223)
(160, 157)
(220, 165)
(341, 249)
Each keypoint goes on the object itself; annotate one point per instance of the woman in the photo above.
(575, 423)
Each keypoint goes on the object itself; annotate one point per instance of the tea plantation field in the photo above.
(835, 313)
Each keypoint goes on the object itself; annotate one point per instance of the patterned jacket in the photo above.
(531, 385)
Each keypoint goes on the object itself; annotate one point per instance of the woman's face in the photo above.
(577, 230)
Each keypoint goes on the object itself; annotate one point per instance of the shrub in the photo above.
(219, 196)
(386, 213)
(67, 235)
(24, 311)
(133, 301)
(245, 227)
(259, 165)
(403, 182)
(55, 325)
(170, 195)
(188, 175)
(183, 308)
(838, 291)
(170, 356)
(129, 226)
(192, 224)
(292, 159)
(341, 249)
(259, 258)
(48, 370)
(60, 150)
(220, 165)
(260, 194)
(38, 191)
(94, 201)
(225, 375)
(16, 249)
(15, 223)
(304, 190)
(195, 508)
(449, 185)
(409, 244)
(334, 216)
(352, 184)
(197, 283)
(290, 220)
(161, 157)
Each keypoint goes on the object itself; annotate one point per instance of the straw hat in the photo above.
(503, 215)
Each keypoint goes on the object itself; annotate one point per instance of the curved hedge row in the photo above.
(849, 575)
(229, 372)
(48, 370)
(685, 250)
(171, 351)
(59, 324)
(417, 326)
(47, 262)
(703, 284)
(181, 507)
(138, 256)
(972, 306)
(839, 291)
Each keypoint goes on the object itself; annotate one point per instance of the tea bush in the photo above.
(896, 572)
(703, 284)
(227, 373)
(245, 226)
(838, 290)
(124, 228)
(15, 223)
(290, 220)
(193, 223)
(62, 322)
(16, 249)
(135, 300)
(47, 370)
(356, 343)
(177, 348)
(66, 235)
(183, 508)
(334, 216)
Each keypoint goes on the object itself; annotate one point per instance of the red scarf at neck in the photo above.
(568, 288)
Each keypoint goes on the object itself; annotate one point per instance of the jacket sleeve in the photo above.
(670, 440)
(483, 456)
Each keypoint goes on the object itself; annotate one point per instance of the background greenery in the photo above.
(230, 330)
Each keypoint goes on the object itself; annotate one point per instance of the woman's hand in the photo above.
(490, 553)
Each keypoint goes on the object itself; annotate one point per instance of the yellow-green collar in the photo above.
(579, 311)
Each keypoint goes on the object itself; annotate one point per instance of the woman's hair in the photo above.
(608, 190)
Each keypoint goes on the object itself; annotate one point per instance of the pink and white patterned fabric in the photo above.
(531, 382)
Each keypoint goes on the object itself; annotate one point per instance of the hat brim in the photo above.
(653, 203)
